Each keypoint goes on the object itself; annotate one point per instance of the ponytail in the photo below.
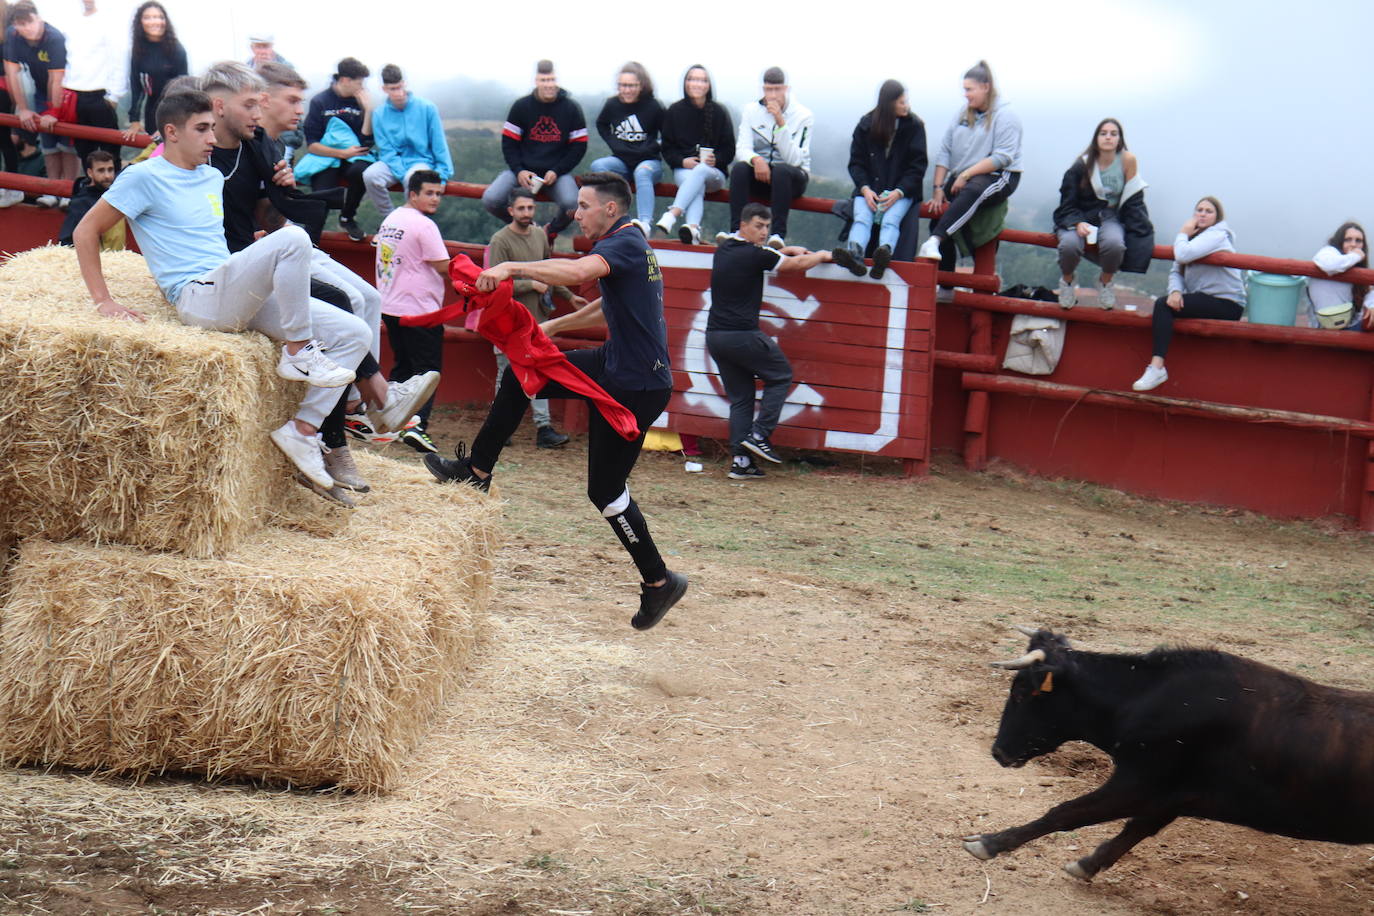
(980, 73)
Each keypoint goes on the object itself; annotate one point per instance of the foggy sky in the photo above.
(1264, 105)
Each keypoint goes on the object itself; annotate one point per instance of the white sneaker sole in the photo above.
(289, 372)
(282, 442)
(396, 416)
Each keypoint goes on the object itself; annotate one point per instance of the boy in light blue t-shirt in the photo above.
(174, 204)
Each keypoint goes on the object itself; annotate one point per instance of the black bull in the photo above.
(1191, 733)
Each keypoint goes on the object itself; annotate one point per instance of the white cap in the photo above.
(261, 38)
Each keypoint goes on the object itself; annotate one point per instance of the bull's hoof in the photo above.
(1078, 871)
(975, 847)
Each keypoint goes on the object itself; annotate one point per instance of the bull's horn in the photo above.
(1025, 661)
(1025, 631)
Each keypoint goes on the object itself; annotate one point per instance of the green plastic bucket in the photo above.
(1272, 298)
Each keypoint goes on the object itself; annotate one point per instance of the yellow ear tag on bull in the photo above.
(1048, 683)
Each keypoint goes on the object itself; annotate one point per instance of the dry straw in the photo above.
(300, 658)
(152, 435)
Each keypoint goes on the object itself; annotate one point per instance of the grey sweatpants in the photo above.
(266, 288)
(1111, 248)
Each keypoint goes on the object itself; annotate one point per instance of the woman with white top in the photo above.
(1347, 249)
(1102, 204)
(978, 164)
(1195, 290)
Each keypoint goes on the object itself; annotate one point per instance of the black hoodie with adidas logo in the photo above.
(631, 131)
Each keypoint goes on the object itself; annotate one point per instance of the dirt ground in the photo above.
(807, 733)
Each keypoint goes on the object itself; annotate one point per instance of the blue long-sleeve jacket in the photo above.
(406, 137)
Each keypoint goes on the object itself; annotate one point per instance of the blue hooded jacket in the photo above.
(411, 136)
(337, 135)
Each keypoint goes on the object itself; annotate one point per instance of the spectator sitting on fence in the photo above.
(1195, 290)
(742, 352)
(156, 58)
(630, 122)
(97, 71)
(338, 135)
(33, 45)
(1102, 204)
(174, 204)
(100, 174)
(774, 153)
(412, 275)
(887, 160)
(1347, 249)
(409, 137)
(543, 140)
(977, 166)
(522, 240)
(698, 144)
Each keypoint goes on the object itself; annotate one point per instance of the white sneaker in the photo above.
(689, 234)
(775, 242)
(304, 452)
(641, 226)
(666, 222)
(8, 198)
(402, 400)
(1152, 379)
(944, 294)
(1106, 294)
(46, 200)
(63, 203)
(721, 237)
(930, 249)
(1068, 294)
(309, 364)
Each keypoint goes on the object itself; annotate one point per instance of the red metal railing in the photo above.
(979, 363)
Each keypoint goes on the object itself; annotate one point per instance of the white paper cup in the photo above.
(536, 183)
(705, 152)
(1092, 235)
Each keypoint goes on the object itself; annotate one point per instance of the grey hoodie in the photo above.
(963, 146)
(1211, 279)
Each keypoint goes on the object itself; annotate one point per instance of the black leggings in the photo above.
(978, 192)
(1195, 305)
(92, 110)
(415, 351)
(352, 172)
(610, 458)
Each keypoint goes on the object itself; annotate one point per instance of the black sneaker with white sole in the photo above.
(850, 259)
(548, 437)
(355, 232)
(655, 602)
(457, 469)
(761, 447)
(419, 440)
(748, 471)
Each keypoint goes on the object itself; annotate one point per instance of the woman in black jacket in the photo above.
(1102, 204)
(698, 142)
(155, 59)
(887, 160)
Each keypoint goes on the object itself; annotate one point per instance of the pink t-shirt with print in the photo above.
(406, 242)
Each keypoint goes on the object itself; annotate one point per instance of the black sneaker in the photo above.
(845, 256)
(548, 437)
(419, 440)
(655, 602)
(457, 469)
(881, 258)
(748, 471)
(355, 232)
(761, 447)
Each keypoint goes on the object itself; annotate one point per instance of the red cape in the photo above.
(534, 358)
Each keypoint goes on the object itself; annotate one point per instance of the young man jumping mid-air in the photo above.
(632, 366)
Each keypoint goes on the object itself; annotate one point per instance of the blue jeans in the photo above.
(862, 228)
(692, 185)
(646, 174)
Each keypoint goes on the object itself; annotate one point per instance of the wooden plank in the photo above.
(814, 372)
(838, 420)
(832, 396)
(792, 437)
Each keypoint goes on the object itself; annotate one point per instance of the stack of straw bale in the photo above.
(302, 659)
(153, 435)
(173, 601)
